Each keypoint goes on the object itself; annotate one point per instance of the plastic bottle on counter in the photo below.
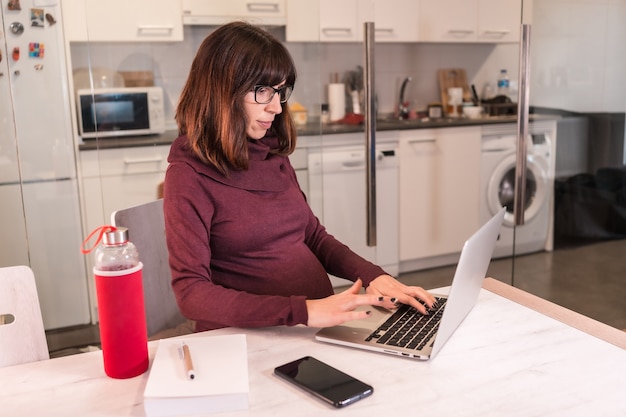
(121, 310)
(503, 83)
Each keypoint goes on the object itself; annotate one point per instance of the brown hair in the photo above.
(229, 63)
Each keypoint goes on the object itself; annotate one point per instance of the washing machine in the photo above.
(498, 185)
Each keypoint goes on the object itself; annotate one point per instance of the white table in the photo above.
(510, 357)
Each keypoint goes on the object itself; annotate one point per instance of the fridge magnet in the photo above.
(14, 5)
(38, 67)
(16, 28)
(36, 17)
(35, 50)
(16, 53)
(50, 19)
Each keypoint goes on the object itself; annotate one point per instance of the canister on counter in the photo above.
(435, 111)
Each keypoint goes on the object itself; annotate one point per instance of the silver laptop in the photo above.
(405, 331)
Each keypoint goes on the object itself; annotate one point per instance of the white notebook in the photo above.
(220, 382)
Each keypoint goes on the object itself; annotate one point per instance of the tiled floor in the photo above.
(589, 279)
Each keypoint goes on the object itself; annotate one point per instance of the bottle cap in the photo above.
(118, 236)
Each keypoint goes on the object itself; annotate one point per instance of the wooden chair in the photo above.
(22, 335)
(146, 229)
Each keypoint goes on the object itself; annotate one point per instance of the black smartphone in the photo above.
(323, 381)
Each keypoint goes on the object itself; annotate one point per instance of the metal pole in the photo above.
(370, 132)
(522, 126)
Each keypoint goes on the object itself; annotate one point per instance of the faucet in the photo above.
(403, 110)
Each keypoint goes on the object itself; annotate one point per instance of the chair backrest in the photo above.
(146, 229)
(22, 335)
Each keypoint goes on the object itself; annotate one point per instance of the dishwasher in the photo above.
(337, 196)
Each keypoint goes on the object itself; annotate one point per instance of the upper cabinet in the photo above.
(490, 21)
(217, 12)
(122, 20)
(499, 20)
(333, 21)
(394, 20)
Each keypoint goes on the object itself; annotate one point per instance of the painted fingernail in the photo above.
(393, 300)
(381, 298)
(368, 312)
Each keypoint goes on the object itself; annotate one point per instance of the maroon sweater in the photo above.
(245, 250)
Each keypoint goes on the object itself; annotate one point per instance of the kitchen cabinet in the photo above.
(332, 21)
(439, 183)
(394, 20)
(337, 189)
(112, 179)
(493, 21)
(119, 178)
(122, 20)
(214, 12)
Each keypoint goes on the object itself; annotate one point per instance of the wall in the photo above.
(578, 62)
(170, 64)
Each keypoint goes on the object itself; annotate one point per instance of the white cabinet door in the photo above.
(499, 20)
(338, 21)
(123, 20)
(118, 178)
(448, 20)
(487, 21)
(113, 179)
(303, 21)
(439, 190)
(216, 12)
(322, 21)
(332, 21)
(394, 20)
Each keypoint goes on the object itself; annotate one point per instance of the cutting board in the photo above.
(453, 77)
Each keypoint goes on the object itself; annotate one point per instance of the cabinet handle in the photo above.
(496, 32)
(460, 32)
(353, 164)
(131, 161)
(337, 31)
(425, 140)
(263, 7)
(154, 30)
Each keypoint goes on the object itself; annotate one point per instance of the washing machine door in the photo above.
(501, 189)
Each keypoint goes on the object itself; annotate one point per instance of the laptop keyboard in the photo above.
(408, 328)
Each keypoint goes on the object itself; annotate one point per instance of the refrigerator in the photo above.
(40, 220)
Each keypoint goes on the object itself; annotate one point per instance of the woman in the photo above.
(245, 248)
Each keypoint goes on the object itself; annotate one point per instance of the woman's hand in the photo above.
(339, 308)
(389, 287)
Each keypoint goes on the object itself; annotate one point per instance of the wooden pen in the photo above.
(189, 371)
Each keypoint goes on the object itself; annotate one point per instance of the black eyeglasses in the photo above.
(263, 94)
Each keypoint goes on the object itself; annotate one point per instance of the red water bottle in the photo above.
(121, 312)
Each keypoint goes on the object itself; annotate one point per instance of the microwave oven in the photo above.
(123, 111)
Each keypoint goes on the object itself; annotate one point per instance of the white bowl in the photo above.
(472, 112)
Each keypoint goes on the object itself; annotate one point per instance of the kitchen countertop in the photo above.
(314, 128)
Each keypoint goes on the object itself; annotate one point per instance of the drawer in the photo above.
(124, 161)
